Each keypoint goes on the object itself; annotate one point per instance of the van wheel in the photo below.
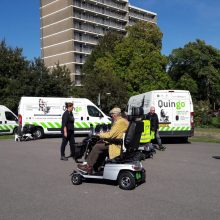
(39, 133)
(126, 180)
(184, 139)
(15, 131)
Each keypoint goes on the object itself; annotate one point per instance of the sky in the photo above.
(181, 21)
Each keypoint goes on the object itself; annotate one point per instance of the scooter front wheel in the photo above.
(76, 179)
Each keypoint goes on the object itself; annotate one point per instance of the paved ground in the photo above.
(182, 183)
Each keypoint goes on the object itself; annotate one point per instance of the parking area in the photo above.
(182, 182)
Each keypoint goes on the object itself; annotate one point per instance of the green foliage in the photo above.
(201, 109)
(215, 121)
(198, 65)
(187, 83)
(126, 66)
(12, 64)
(20, 77)
(138, 60)
(99, 76)
(60, 82)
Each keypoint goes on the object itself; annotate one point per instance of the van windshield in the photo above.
(93, 111)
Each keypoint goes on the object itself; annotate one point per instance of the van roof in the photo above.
(4, 107)
(38, 97)
(62, 98)
(32, 99)
(158, 91)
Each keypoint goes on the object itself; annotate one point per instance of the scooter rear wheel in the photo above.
(76, 179)
(126, 180)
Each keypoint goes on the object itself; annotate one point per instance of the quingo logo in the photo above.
(178, 105)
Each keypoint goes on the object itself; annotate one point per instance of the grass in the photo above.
(6, 137)
(211, 135)
(214, 130)
(204, 139)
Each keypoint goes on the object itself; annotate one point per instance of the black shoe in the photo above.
(162, 148)
(63, 158)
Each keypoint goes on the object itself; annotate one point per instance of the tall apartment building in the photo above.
(70, 29)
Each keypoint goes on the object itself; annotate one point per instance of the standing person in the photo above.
(67, 131)
(152, 116)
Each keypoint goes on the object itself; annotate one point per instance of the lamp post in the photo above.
(99, 99)
(107, 105)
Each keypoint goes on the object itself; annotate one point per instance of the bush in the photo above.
(201, 109)
(216, 122)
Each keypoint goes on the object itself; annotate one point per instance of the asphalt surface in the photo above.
(182, 182)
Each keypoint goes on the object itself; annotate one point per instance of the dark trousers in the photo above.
(71, 139)
(96, 151)
(157, 136)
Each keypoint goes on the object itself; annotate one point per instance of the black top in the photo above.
(154, 122)
(68, 121)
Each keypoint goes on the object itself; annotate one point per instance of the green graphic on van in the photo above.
(78, 109)
(186, 128)
(81, 124)
(178, 105)
(7, 127)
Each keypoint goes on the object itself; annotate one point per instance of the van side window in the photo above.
(93, 111)
(9, 116)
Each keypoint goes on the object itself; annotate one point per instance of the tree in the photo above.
(20, 77)
(60, 82)
(196, 67)
(127, 66)
(12, 65)
(99, 77)
(138, 60)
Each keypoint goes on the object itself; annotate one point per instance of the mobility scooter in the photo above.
(27, 133)
(125, 169)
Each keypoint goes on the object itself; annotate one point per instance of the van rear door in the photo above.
(173, 109)
(162, 100)
(182, 113)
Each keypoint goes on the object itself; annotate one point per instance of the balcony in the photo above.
(103, 13)
(108, 4)
(94, 21)
(82, 52)
(86, 42)
(86, 31)
(142, 18)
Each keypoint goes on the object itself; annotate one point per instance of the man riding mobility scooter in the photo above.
(126, 169)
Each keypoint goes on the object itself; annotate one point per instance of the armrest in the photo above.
(116, 141)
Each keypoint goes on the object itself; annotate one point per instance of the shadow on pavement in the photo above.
(216, 157)
(175, 140)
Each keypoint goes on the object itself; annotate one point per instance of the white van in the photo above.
(173, 107)
(46, 114)
(8, 121)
